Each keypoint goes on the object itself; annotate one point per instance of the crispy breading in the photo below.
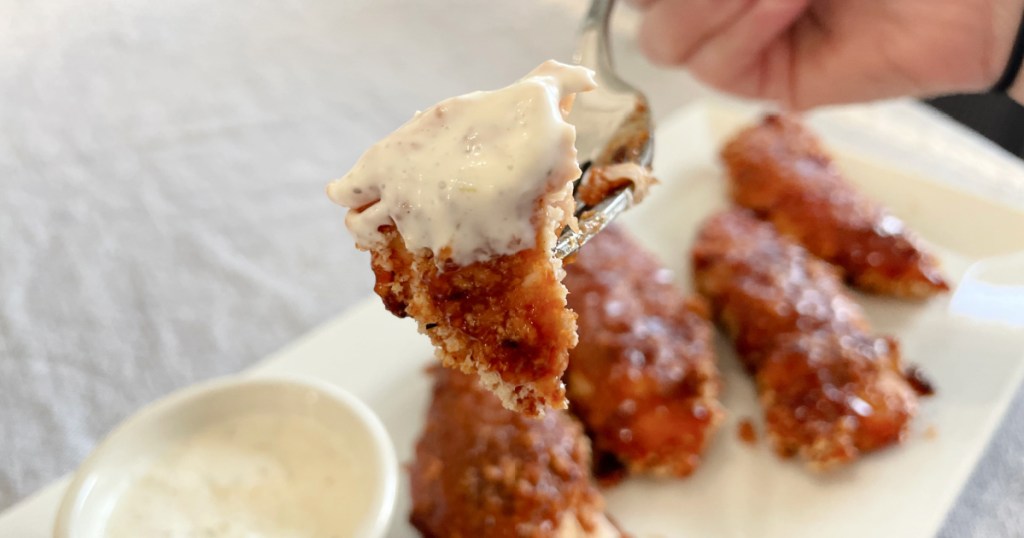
(830, 389)
(643, 378)
(780, 170)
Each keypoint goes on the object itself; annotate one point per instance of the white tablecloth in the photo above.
(162, 216)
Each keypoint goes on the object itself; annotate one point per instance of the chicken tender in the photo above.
(482, 470)
(829, 388)
(460, 209)
(643, 378)
(779, 170)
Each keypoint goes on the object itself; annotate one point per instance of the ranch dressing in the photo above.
(464, 178)
(254, 476)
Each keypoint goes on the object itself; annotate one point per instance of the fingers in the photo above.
(724, 42)
(735, 54)
(673, 30)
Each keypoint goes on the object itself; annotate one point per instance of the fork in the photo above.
(613, 125)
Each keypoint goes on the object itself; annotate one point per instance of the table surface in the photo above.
(162, 215)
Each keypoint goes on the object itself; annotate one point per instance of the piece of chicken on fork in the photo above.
(460, 209)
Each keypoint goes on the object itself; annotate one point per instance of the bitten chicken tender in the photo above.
(643, 378)
(460, 209)
(481, 470)
(779, 170)
(829, 388)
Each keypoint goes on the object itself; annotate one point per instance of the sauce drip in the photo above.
(465, 177)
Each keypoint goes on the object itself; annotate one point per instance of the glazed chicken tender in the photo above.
(829, 388)
(481, 470)
(779, 170)
(460, 209)
(643, 378)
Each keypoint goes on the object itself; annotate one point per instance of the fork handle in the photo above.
(593, 50)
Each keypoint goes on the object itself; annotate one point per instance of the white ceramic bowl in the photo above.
(104, 476)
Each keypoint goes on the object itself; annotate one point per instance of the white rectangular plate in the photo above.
(974, 353)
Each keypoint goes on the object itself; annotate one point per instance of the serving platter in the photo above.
(970, 343)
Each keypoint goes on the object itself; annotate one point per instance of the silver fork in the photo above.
(609, 123)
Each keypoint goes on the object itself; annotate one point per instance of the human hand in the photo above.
(804, 53)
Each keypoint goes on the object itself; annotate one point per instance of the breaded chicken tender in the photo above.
(482, 470)
(460, 209)
(643, 378)
(779, 170)
(830, 389)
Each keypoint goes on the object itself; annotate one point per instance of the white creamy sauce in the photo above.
(254, 476)
(464, 178)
